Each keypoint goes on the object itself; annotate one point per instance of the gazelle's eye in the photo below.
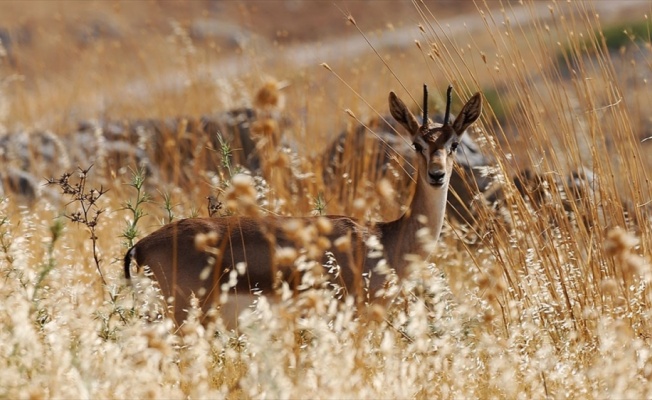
(454, 147)
(417, 147)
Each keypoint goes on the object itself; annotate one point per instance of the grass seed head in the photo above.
(619, 242)
(343, 243)
(324, 225)
(206, 241)
(241, 195)
(385, 189)
(286, 256)
(323, 243)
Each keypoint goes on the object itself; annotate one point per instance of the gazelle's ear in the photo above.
(469, 114)
(402, 114)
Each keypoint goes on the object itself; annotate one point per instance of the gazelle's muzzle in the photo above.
(436, 176)
(438, 172)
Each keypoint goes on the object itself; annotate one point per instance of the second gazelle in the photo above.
(262, 250)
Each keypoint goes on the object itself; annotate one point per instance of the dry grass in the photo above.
(539, 299)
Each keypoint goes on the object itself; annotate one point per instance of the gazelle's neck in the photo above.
(426, 211)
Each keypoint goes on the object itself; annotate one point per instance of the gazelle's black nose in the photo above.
(436, 177)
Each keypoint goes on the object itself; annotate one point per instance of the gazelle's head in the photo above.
(435, 143)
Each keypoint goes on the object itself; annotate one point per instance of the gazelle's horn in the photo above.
(425, 105)
(449, 100)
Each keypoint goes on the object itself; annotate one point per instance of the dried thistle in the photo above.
(214, 205)
(269, 96)
(619, 245)
(89, 212)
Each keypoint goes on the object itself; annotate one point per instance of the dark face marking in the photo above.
(435, 145)
(442, 137)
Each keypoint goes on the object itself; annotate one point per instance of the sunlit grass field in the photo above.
(546, 294)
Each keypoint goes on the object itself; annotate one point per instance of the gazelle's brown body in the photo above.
(239, 240)
(178, 264)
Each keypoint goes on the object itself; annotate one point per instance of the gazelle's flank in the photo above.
(177, 264)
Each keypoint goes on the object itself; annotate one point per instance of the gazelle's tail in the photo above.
(127, 265)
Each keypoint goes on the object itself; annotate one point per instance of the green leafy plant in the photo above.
(167, 204)
(319, 204)
(56, 230)
(226, 153)
(130, 233)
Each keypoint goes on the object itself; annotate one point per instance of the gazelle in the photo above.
(180, 266)
(382, 139)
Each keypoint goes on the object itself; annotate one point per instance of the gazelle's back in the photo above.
(180, 253)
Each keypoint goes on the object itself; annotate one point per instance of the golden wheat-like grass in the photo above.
(537, 299)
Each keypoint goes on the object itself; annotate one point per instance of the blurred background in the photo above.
(75, 60)
(63, 63)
